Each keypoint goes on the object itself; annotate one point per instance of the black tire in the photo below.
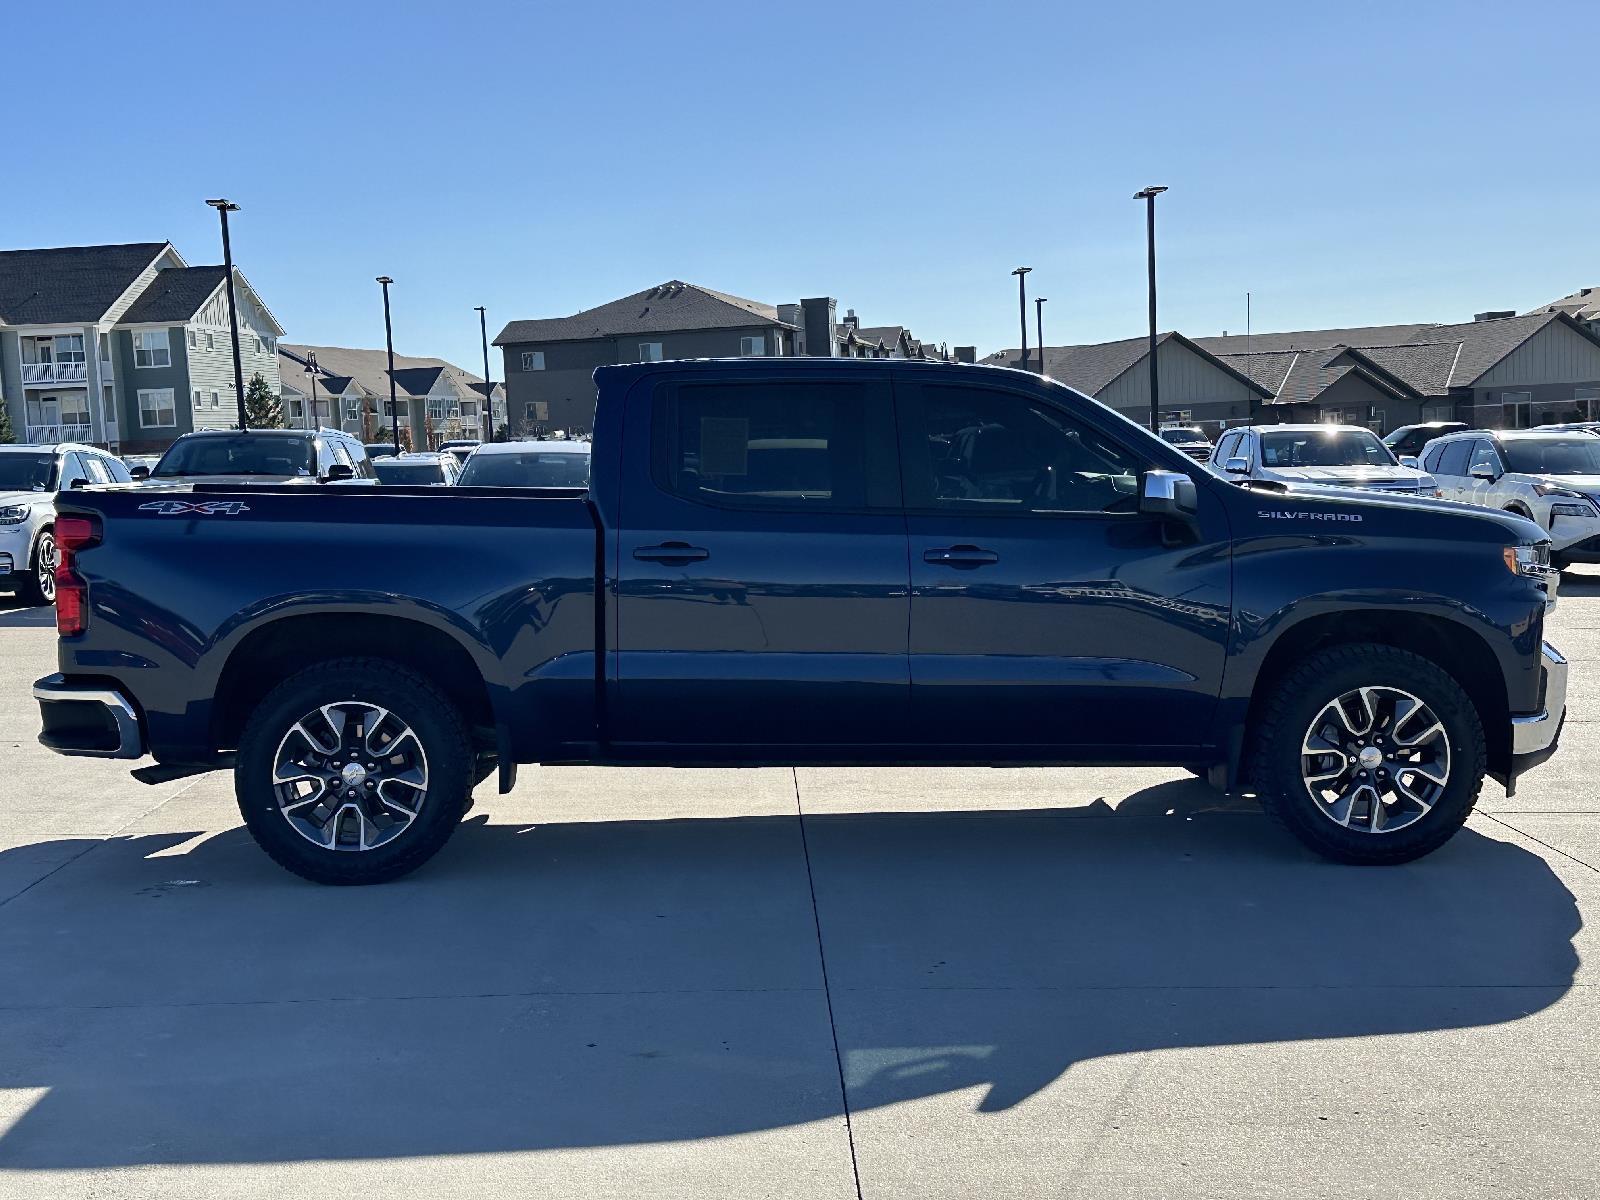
(35, 589)
(1274, 762)
(437, 726)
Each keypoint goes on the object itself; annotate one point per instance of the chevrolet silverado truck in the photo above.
(809, 561)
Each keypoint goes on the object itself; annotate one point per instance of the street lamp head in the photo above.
(1150, 192)
(223, 205)
(384, 279)
(1022, 270)
(1040, 299)
(477, 308)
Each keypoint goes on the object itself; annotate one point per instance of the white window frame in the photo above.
(158, 341)
(211, 340)
(171, 405)
(194, 340)
(533, 360)
(198, 400)
(216, 400)
(79, 416)
(753, 347)
(649, 351)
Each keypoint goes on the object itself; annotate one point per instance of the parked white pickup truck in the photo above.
(1551, 477)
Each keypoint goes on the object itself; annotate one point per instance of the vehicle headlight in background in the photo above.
(1573, 508)
(1532, 561)
(13, 514)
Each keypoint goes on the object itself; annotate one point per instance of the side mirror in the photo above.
(1486, 473)
(1410, 460)
(139, 472)
(1169, 494)
(339, 472)
(1237, 466)
(77, 483)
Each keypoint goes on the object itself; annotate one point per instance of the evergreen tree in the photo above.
(261, 408)
(7, 434)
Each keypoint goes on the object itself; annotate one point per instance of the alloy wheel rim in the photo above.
(47, 566)
(1375, 760)
(350, 776)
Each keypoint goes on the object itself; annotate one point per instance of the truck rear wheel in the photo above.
(353, 771)
(1369, 754)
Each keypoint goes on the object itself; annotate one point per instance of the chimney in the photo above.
(967, 354)
(1498, 314)
(819, 316)
(851, 321)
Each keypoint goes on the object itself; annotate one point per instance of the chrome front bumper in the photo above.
(1537, 732)
(88, 720)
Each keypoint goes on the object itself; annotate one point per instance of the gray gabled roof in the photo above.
(1091, 368)
(1314, 339)
(416, 381)
(69, 284)
(175, 294)
(670, 307)
(1584, 304)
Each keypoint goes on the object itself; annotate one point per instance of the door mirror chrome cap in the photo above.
(1487, 474)
(1410, 460)
(1168, 494)
(1237, 466)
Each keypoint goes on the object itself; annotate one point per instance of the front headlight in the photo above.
(1551, 489)
(1573, 508)
(13, 514)
(1532, 561)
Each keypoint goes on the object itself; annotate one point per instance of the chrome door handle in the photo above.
(960, 556)
(671, 552)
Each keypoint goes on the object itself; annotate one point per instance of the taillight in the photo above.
(72, 593)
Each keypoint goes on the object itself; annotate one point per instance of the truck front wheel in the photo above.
(1368, 754)
(353, 771)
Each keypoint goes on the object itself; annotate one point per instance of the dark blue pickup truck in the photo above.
(790, 561)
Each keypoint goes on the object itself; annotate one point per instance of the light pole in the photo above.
(1038, 318)
(488, 387)
(1022, 309)
(224, 207)
(1148, 195)
(311, 370)
(388, 337)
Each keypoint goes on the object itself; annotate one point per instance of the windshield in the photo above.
(245, 454)
(530, 468)
(392, 470)
(1181, 434)
(27, 472)
(1542, 456)
(1314, 448)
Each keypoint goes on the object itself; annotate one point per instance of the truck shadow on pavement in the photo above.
(176, 998)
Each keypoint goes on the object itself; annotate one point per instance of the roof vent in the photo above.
(1498, 314)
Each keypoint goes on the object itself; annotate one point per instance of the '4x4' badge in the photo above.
(205, 508)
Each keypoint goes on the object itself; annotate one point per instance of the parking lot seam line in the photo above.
(1540, 841)
(827, 994)
(96, 843)
(1054, 988)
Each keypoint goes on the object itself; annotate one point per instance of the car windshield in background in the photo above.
(529, 468)
(1181, 436)
(27, 472)
(1345, 448)
(393, 470)
(1541, 456)
(253, 454)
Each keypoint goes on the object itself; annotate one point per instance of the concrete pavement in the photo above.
(664, 983)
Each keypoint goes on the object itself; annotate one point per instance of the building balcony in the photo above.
(45, 435)
(50, 374)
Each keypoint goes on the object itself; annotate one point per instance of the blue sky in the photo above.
(1346, 164)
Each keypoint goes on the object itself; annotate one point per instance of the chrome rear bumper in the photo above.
(88, 720)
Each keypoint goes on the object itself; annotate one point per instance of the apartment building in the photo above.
(347, 388)
(124, 346)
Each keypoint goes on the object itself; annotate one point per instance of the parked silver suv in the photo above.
(30, 477)
(1330, 455)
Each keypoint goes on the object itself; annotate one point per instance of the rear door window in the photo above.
(788, 445)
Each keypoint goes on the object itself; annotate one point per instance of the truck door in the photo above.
(762, 588)
(1048, 614)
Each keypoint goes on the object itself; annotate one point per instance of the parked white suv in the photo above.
(1549, 476)
(1330, 455)
(30, 477)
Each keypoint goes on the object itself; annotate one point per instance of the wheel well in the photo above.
(1458, 651)
(271, 654)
